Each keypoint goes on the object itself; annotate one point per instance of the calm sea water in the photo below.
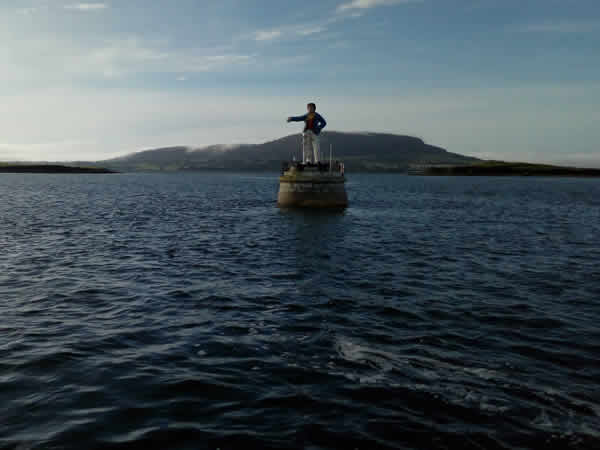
(187, 311)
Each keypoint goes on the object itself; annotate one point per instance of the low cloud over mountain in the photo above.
(360, 152)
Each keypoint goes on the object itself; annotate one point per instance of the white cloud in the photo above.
(87, 124)
(133, 55)
(308, 30)
(267, 35)
(87, 6)
(560, 27)
(29, 10)
(591, 159)
(43, 6)
(355, 5)
(345, 11)
(502, 123)
(122, 56)
(289, 32)
(51, 59)
(68, 121)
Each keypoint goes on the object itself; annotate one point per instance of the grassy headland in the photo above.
(49, 168)
(502, 168)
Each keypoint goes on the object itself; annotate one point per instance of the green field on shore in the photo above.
(510, 168)
(48, 168)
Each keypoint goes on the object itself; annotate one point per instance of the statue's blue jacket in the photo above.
(318, 122)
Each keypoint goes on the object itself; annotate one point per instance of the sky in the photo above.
(498, 79)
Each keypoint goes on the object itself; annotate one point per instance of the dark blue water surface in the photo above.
(187, 311)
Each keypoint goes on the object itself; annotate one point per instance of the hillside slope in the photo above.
(360, 152)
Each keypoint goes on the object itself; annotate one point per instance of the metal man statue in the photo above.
(313, 124)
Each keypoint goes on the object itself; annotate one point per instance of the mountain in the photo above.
(359, 151)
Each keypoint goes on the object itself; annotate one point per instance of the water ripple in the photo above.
(187, 311)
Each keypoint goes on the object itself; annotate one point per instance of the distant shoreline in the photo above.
(500, 168)
(485, 168)
(50, 168)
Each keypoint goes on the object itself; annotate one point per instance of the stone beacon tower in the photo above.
(312, 184)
